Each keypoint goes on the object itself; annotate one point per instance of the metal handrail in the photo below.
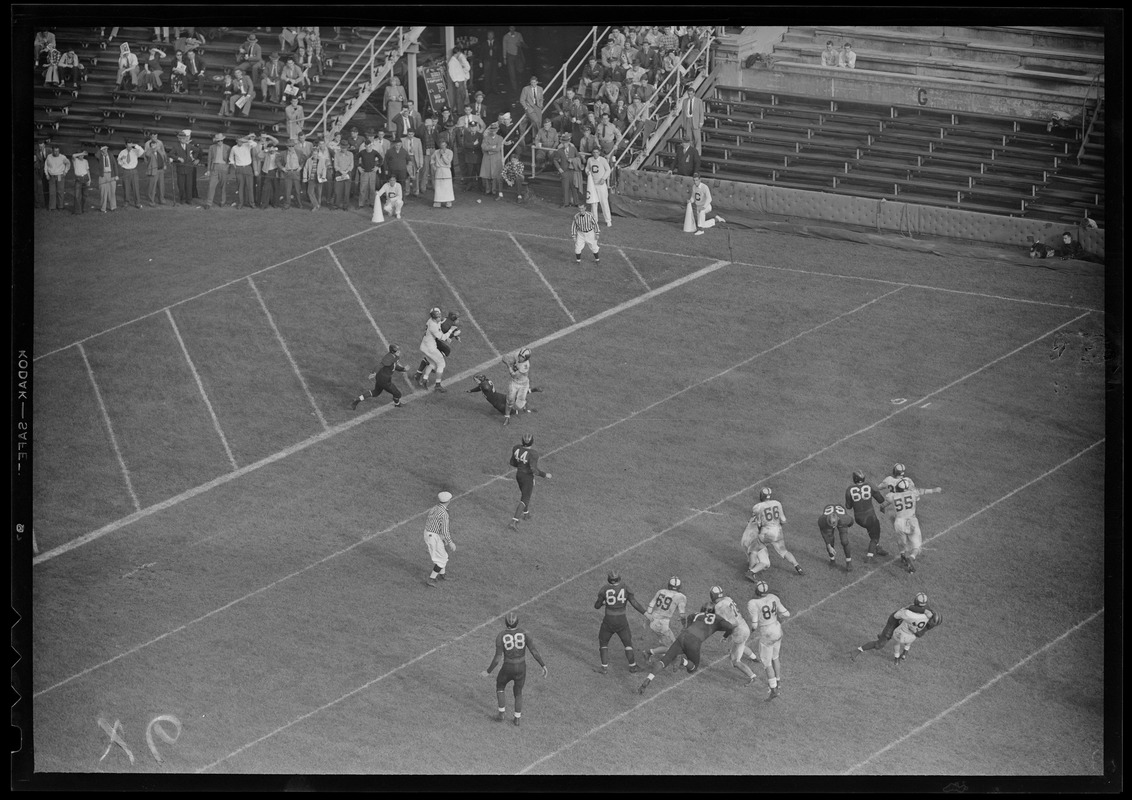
(672, 80)
(1086, 132)
(369, 55)
(524, 125)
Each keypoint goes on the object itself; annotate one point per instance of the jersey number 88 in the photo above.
(516, 641)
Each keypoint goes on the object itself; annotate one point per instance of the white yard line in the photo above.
(290, 357)
(625, 256)
(542, 277)
(188, 494)
(865, 576)
(203, 393)
(451, 288)
(358, 297)
(110, 428)
(973, 694)
(205, 292)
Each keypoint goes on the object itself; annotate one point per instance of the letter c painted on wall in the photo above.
(922, 96)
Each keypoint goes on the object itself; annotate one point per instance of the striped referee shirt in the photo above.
(584, 222)
(438, 523)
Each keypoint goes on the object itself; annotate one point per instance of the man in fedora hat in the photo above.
(156, 160)
(216, 170)
(106, 168)
(491, 170)
(532, 99)
(185, 155)
(569, 167)
(369, 163)
(250, 57)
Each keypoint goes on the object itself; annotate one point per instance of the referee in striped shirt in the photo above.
(585, 232)
(437, 538)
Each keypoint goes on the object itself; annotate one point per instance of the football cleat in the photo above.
(897, 470)
(773, 694)
(764, 493)
(511, 620)
(354, 404)
(634, 668)
(614, 576)
(799, 570)
(525, 354)
(858, 476)
(498, 716)
(921, 599)
(715, 593)
(761, 589)
(911, 566)
(902, 485)
(513, 525)
(674, 583)
(515, 722)
(528, 439)
(642, 687)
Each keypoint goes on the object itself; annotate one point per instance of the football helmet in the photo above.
(761, 589)
(479, 378)
(525, 354)
(511, 620)
(394, 348)
(453, 316)
(435, 313)
(528, 439)
(902, 485)
(764, 493)
(897, 470)
(715, 593)
(674, 583)
(921, 599)
(613, 576)
(858, 476)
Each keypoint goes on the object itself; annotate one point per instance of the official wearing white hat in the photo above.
(437, 538)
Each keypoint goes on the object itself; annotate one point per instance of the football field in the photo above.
(224, 542)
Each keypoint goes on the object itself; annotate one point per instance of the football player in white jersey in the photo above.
(665, 603)
(903, 500)
(766, 612)
(905, 625)
(888, 484)
(725, 607)
(765, 527)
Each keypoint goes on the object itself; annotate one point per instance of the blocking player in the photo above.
(512, 644)
(725, 607)
(907, 526)
(498, 400)
(383, 378)
(613, 597)
(767, 610)
(661, 608)
(905, 624)
(765, 527)
(697, 629)
(888, 483)
(525, 460)
(445, 349)
(859, 497)
(520, 370)
(835, 519)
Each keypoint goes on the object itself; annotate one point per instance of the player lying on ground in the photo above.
(498, 400)
(907, 625)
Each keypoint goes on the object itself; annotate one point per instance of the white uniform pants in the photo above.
(436, 550)
(598, 194)
(435, 357)
(583, 239)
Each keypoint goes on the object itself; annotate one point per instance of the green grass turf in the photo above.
(244, 623)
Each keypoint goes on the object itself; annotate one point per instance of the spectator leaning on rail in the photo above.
(847, 59)
(829, 55)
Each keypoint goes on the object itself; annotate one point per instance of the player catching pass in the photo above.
(512, 644)
(613, 597)
(662, 607)
(435, 358)
(835, 519)
(444, 347)
(767, 611)
(383, 378)
(520, 387)
(907, 625)
(765, 527)
(525, 460)
(498, 400)
(859, 497)
(697, 629)
(907, 526)
(725, 607)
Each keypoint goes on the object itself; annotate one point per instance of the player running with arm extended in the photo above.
(859, 498)
(697, 629)
(512, 644)
(383, 378)
(903, 499)
(907, 625)
(835, 519)
(726, 608)
(765, 527)
(524, 458)
(613, 598)
(767, 610)
(666, 603)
